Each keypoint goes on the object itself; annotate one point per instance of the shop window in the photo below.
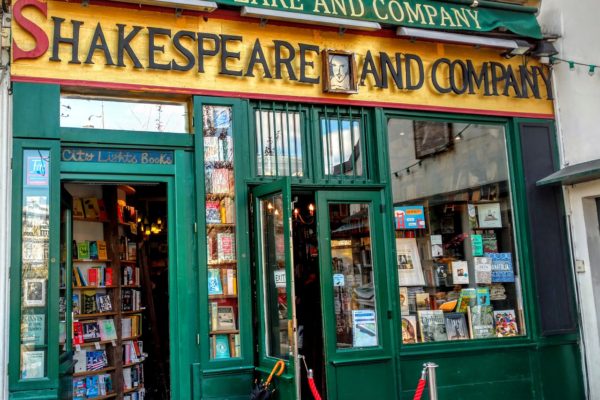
(457, 266)
(221, 239)
(123, 114)
(279, 142)
(341, 141)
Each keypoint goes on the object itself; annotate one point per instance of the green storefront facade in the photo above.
(285, 153)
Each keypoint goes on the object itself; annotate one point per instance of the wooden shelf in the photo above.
(128, 261)
(225, 332)
(94, 287)
(133, 389)
(131, 286)
(89, 260)
(131, 338)
(132, 312)
(222, 296)
(222, 263)
(222, 226)
(134, 363)
(88, 373)
(91, 316)
(108, 396)
(217, 196)
(87, 344)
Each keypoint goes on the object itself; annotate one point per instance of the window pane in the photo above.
(457, 265)
(341, 140)
(274, 276)
(353, 275)
(123, 114)
(279, 143)
(35, 263)
(221, 226)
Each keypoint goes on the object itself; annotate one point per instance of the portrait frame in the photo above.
(349, 87)
(34, 292)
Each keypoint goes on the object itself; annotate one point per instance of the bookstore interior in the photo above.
(114, 284)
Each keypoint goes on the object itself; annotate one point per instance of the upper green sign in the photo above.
(415, 13)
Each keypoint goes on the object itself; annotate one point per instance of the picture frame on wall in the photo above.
(34, 292)
(489, 215)
(431, 137)
(410, 271)
(339, 72)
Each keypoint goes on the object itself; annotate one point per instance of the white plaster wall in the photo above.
(578, 93)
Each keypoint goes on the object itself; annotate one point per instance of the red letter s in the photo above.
(41, 40)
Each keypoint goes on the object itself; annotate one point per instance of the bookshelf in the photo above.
(222, 263)
(106, 296)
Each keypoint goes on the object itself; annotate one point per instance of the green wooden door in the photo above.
(355, 302)
(66, 363)
(275, 284)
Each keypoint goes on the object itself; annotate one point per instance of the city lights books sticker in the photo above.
(364, 328)
(33, 364)
(410, 272)
(409, 217)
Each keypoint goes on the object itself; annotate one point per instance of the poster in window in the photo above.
(410, 271)
(364, 328)
(489, 215)
(34, 292)
(431, 138)
(32, 366)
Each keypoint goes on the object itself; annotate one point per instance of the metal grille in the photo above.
(342, 142)
(279, 141)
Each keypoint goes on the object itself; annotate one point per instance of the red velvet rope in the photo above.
(313, 389)
(420, 389)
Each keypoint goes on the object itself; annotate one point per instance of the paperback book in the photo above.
(483, 270)
(432, 325)
(506, 323)
(482, 322)
(460, 272)
(456, 326)
(502, 267)
(409, 329)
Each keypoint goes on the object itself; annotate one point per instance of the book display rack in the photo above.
(221, 233)
(106, 296)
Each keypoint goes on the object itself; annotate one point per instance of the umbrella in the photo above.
(261, 390)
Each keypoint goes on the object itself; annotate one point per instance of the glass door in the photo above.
(65, 341)
(277, 336)
(355, 301)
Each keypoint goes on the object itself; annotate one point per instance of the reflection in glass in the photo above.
(279, 143)
(341, 147)
(274, 276)
(34, 263)
(123, 114)
(353, 275)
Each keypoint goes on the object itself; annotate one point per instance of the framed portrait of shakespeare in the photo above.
(339, 72)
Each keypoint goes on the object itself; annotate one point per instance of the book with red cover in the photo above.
(102, 215)
(108, 276)
(77, 333)
(93, 277)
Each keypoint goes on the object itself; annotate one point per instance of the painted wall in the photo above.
(577, 106)
(5, 190)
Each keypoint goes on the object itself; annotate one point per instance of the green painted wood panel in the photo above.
(36, 110)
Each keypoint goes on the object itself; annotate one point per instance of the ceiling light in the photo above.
(342, 23)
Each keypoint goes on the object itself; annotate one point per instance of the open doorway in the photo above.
(119, 294)
(308, 291)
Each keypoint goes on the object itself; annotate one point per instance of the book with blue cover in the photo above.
(502, 267)
(214, 281)
(92, 386)
(222, 347)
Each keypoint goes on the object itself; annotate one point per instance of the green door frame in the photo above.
(376, 364)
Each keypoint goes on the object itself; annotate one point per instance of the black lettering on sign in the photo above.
(408, 60)
(369, 68)
(226, 54)
(434, 75)
(184, 51)
(304, 49)
(73, 41)
(99, 37)
(395, 71)
(258, 56)
(286, 61)
(153, 48)
(476, 80)
(202, 51)
(124, 46)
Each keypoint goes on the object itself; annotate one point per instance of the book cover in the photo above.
(490, 243)
(131, 251)
(78, 208)
(237, 345)
(432, 325)
(107, 329)
(92, 386)
(213, 212)
(483, 270)
(83, 250)
(96, 360)
(33, 364)
(90, 208)
(126, 299)
(423, 301)
(477, 245)
(33, 328)
(467, 298)
(482, 322)
(231, 281)
(410, 272)
(226, 149)
(506, 323)
(409, 329)
(126, 328)
(102, 214)
(211, 148)
(214, 306)
(79, 357)
(102, 252)
(127, 384)
(89, 302)
(214, 281)
(92, 279)
(502, 267)
(442, 276)
(103, 302)
(472, 213)
(225, 318)
(77, 277)
(456, 326)
(489, 215)
(219, 181)
(93, 250)
(108, 276)
(226, 246)
(437, 246)
(404, 310)
(483, 296)
(91, 331)
(77, 333)
(228, 205)
(222, 347)
(460, 272)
